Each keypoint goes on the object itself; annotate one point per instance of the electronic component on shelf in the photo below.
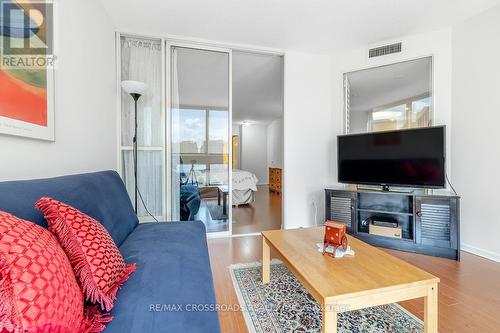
(387, 224)
(387, 230)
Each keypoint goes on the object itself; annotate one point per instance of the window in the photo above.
(201, 142)
(421, 112)
(192, 125)
(413, 113)
(218, 132)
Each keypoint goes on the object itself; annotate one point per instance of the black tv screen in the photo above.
(410, 158)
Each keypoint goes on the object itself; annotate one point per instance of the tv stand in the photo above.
(426, 222)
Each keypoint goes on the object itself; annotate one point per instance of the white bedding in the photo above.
(244, 180)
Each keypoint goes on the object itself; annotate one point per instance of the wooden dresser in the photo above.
(275, 180)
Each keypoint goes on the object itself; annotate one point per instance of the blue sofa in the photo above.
(172, 288)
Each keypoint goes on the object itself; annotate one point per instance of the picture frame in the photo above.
(27, 74)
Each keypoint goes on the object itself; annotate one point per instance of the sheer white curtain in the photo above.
(175, 142)
(141, 61)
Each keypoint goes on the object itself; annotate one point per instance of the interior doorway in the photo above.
(257, 142)
(189, 143)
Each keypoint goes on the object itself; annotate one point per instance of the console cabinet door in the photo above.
(436, 222)
(340, 207)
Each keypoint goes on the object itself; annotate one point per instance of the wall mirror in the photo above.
(389, 97)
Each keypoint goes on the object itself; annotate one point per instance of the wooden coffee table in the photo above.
(372, 277)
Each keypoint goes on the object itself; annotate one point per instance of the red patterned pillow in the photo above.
(38, 288)
(97, 262)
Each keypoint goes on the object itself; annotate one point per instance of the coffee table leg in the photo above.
(218, 197)
(329, 319)
(266, 261)
(431, 310)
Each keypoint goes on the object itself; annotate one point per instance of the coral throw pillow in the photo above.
(38, 288)
(97, 262)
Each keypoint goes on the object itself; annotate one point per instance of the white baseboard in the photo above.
(481, 252)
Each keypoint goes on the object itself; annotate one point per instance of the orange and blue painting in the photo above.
(24, 105)
(23, 95)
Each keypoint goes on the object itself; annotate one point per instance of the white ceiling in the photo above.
(320, 26)
(384, 85)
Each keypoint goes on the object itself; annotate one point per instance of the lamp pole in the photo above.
(136, 97)
(136, 89)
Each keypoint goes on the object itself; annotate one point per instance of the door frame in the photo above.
(166, 41)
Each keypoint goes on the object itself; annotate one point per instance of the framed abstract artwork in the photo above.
(26, 70)
(27, 103)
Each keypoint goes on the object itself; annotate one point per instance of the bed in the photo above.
(244, 187)
(244, 183)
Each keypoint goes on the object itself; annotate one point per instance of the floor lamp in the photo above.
(136, 89)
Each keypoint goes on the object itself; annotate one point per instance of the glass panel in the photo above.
(421, 112)
(193, 174)
(192, 131)
(389, 119)
(218, 132)
(200, 137)
(389, 97)
(219, 174)
(149, 180)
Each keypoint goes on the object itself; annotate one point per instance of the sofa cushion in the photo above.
(97, 262)
(38, 289)
(100, 195)
(172, 288)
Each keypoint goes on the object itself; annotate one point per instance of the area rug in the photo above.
(284, 305)
(215, 210)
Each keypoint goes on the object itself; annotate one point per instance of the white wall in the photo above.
(254, 151)
(436, 44)
(275, 144)
(85, 111)
(465, 82)
(309, 129)
(475, 137)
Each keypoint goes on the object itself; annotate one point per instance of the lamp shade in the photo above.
(134, 87)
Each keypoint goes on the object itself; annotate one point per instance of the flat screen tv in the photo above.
(403, 158)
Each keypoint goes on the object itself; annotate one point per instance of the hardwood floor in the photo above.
(469, 292)
(263, 214)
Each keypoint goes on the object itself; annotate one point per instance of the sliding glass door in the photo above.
(200, 149)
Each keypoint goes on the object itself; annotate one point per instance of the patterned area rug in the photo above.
(285, 306)
(216, 211)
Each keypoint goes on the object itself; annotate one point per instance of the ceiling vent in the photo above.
(384, 50)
